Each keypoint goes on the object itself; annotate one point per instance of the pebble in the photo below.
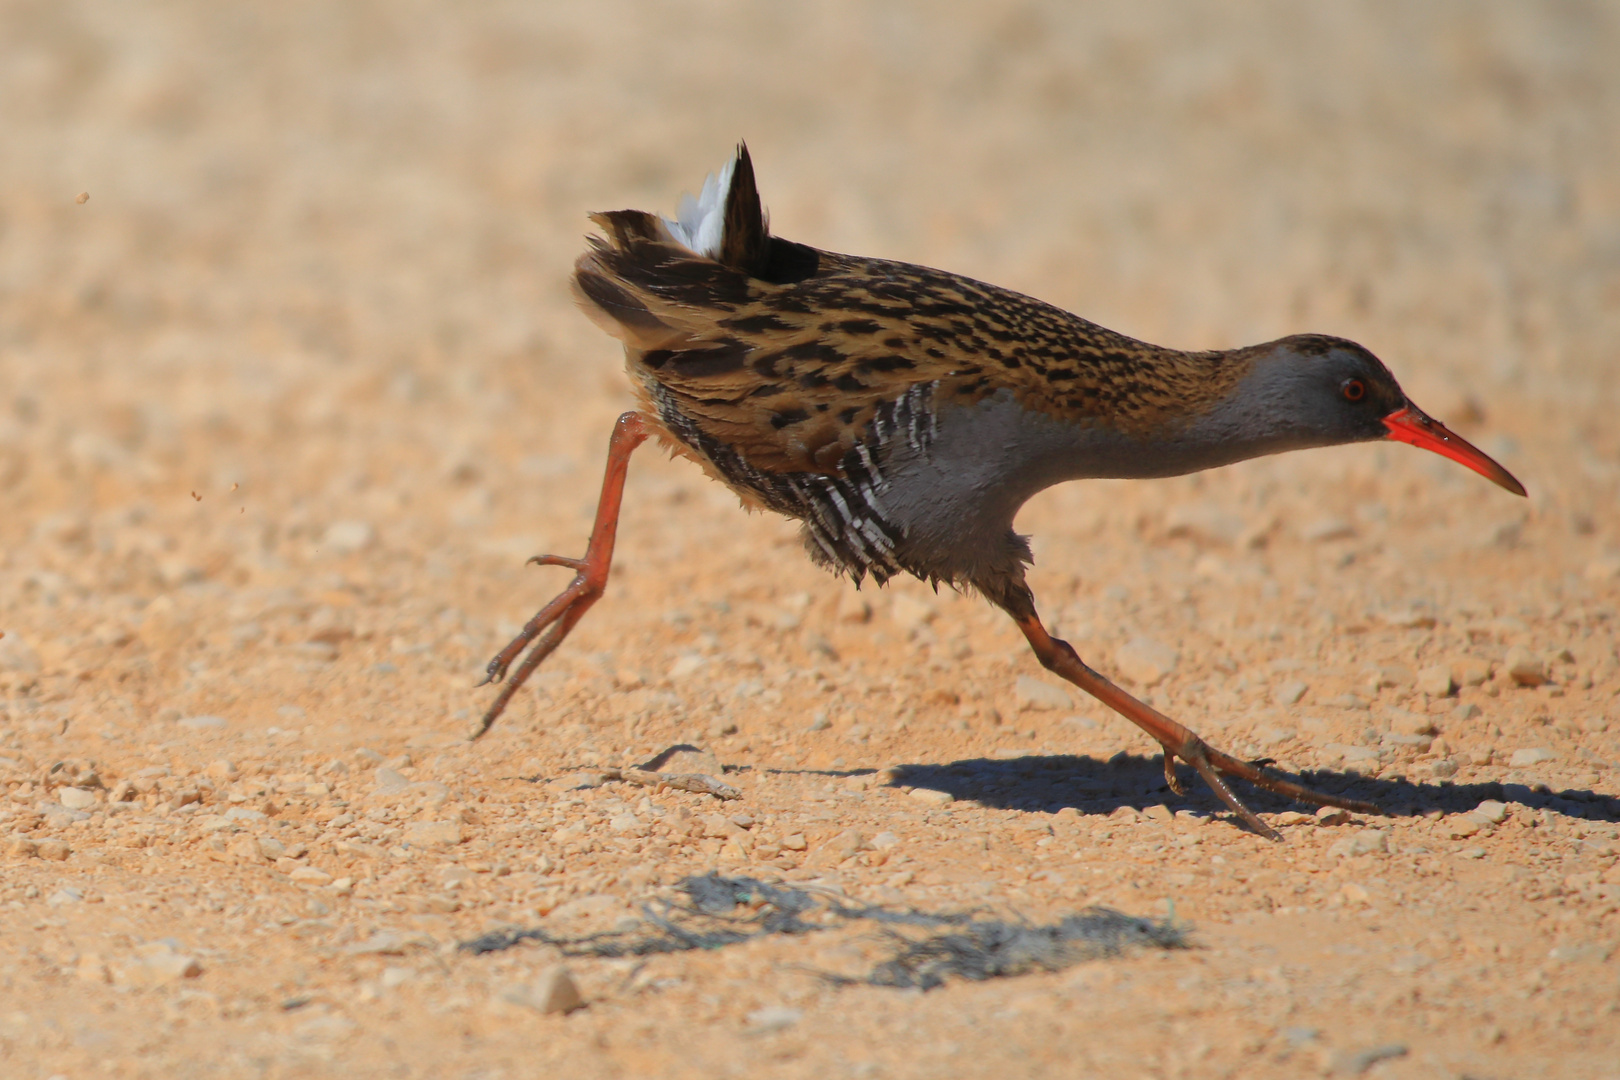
(348, 537)
(1535, 755)
(1364, 842)
(54, 850)
(1525, 668)
(1492, 811)
(1325, 529)
(1354, 1063)
(552, 991)
(1331, 815)
(67, 894)
(1402, 722)
(310, 875)
(75, 798)
(1435, 680)
(18, 656)
(773, 1018)
(883, 841)
(1145, 662)
(1158, 812)
(433, 834)
(1469, 671)
(932, 797)
(627, 825)
(203, 723)
(1032, 693)
(686, 664)
(794, 842)
(1465, 711)
(158, 963)
(1289, 693)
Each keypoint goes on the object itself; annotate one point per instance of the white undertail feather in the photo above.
(699, 224)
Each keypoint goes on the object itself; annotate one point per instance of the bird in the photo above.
(904, 414)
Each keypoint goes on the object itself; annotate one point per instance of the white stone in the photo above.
(1146, 662)
(348, 537)
(203, 723)
(433, 834)
(932, 797)
(1435, 680)
(1324, 529)
(1290, 692)
(1525, 667)
(1033, 693)
(1535, 755)
(75, 798)
(1492, 811)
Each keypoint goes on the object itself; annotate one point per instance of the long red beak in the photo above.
(1410, 425)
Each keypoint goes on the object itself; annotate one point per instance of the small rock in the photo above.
(1289, 693)
(310, 875)
(1324, 529)
(75, 798)
(1331, 815)
(1206, 523)
(910, 613)
(553, 991)
(794, 842)
(23, 848)
(348, 537)
(1466, 711)
(1469, 671)
(1146, 662)
(1492, 811)
(931, 797)
(433, 834)
(1443, 768)
(1460, 826)
(271, 848)
(627, 825)
(883, 841)
(1158, 812)
(1364, 842)
(1407, 618)
(222, 770)
(203, 723)
(1524, 667)
(854, 608)
(1535, 755)
(54, 850)
(92, 968)
(1354, 1063)
(159, 963)
(686, 664)
(1402, 722)
(1603, 569)
(67, 894)
(1032, 693)
(773, 1018)
(389, 781)
(1435, 680)
(16, 655)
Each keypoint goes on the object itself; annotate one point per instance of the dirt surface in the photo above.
(287, 401)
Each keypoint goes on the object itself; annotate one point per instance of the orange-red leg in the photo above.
(552, 623)
(1178, 742)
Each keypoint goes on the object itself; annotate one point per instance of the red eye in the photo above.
(1354, 389)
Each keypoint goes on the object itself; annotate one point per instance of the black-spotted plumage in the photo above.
(904, 414)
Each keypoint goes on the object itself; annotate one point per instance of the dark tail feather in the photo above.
(746, 241)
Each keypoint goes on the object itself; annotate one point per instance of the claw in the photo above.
(556, 560)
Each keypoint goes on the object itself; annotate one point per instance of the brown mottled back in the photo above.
(788, 357)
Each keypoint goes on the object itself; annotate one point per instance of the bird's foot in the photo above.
(1178, 742)
(552, 623)
(1214, 766)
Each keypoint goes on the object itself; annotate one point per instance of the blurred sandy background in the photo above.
(286, 402)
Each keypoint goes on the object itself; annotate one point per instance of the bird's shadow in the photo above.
(1045, 784)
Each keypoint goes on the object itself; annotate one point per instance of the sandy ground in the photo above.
(285, 404)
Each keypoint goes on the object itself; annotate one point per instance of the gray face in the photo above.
(955, 502)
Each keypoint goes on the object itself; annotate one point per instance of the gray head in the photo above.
(1314, 390)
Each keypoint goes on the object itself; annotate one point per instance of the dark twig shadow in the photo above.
(715, 912)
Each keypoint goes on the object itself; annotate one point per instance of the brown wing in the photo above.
(789, 361)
